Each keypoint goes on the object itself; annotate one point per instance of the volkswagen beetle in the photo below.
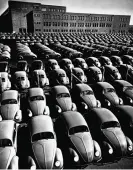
(37, 102)
(37, 65)
(66, 64)
(52, 64)
(127, 59)
(8, 145)
(39, 78)
(106, 129)
(107, 95)
(94, 74)
(116, 60)
(44, 144)
(10, 106)
(58, 77)
(83, 96)
(111, 73)
(78, 75)
(75, 139)
(105, 61)
(20, 80)
(22, 65)
(61, 99)
(93, 61)
(5, 83)
(125, 90)
(81, 63)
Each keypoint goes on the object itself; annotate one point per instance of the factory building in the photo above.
(38, 18)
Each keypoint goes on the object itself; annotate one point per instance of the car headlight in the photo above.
(84, 105)
(17, 117)
(120, 101)
(74, 106)
(108, 103)
(57, 163)
(76, 159)
(110, 151)
(98, 103)
(59, 109)
(30, 114)
(97, 153)
(130, 148)
(130, 100)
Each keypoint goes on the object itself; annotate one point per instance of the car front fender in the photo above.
(97, 151)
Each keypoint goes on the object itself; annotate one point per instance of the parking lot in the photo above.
(71, 96)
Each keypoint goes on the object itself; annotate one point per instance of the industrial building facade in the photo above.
(38, 18)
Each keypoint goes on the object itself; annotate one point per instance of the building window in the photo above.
(43, 9)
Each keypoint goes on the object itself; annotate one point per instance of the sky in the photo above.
(118, 7)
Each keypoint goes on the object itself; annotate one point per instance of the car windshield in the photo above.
(127, 88)
(42, 135)
(87, 92)
(109, 90)
(5, 142)
(37, 65)
(34, 98)
(79, 74)
(78, 129)
(62, 95)
(62, 75)
(42, 76)
(3, 67)
(20, 78)
(110, 124)
(9, 101)
(21, 65)
(3, 79)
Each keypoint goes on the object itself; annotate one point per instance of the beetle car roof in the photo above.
(41, 123)
(20, 73)
(3, 74)
(104, 115)
(126, 110)
(73, 118)
(104, 85)
(82, 87)
(6, 129)
(60, 89)
(39, 71)
(94, 68)
(9, 94)
(35, 91)
(123, 83)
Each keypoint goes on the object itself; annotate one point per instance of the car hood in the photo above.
(6, 155)
(44, 153)
(117, 139)
(37, 107)
(129, 93)
(65, 103)
(113, 98)
(90, 100)
(84, 145)
(3, 86)
(62, 80)
(21, 84)
(9, 111)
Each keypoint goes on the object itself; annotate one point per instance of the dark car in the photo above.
(78, 75)
(22, 65)
(111, 73)
(107, 95)
(58, 77)
(37, 65)
(105, 61)
(126, 72)
(83, 96)
(116, 60)
(106, 129)
(75, 139)
(127, 59)
(94, 74)
(66, 64)
(125, 115)
(93, 61)
(4, 66)
(125, 90)
(81, 63)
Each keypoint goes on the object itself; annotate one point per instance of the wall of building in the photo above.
(49, 18)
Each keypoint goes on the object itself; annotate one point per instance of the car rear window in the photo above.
(42, 135)
(110, 124)
(87, 92)
(109, 90)
(61, 95)
(33, 98)
(5, 142)
(78, 129)
(127, 88)
(9, 101)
